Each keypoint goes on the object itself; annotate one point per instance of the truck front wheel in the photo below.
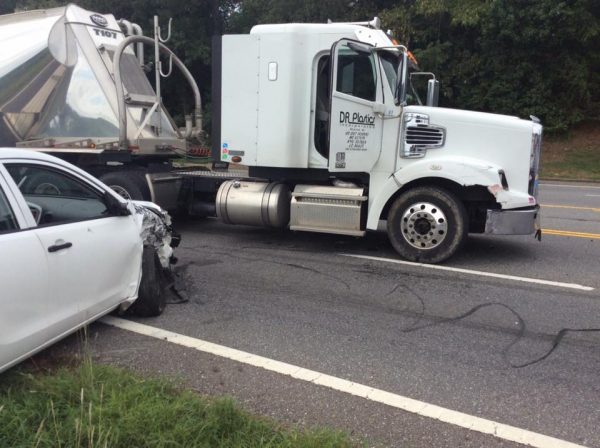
(129, 184)
(427, 224)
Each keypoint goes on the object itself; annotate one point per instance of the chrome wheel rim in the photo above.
(424, 226)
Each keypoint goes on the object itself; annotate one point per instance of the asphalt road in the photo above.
(486, 346)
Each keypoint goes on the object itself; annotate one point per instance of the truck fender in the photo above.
(464, 171)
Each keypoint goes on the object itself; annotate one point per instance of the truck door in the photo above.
(355, 126)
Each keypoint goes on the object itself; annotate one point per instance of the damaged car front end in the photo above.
(71, 251)
(158, 240)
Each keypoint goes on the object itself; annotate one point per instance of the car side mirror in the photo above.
(114, 206)
(433, 92)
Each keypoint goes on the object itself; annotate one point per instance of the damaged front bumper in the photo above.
(156, 231)
(523, 221)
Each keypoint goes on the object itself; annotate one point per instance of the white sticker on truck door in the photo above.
(358, 127)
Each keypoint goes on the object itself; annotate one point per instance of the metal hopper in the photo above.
(58, 90)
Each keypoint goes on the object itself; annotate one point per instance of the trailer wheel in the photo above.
(151, 299)
(427, 224)
(128, 184)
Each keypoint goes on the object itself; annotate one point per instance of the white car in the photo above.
(71, 250)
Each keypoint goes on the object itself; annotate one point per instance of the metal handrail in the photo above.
(122, 108)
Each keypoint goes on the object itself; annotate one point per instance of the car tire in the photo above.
(427, 224)
(129, 184)
(152, 298)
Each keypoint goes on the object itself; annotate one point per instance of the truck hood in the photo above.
(496, 140)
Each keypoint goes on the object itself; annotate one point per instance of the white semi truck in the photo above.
(329, 134)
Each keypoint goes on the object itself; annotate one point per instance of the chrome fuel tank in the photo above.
(254, 203)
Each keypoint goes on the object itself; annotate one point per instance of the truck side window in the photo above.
(356, 74)
(322, 107)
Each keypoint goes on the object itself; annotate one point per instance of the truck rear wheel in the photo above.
(427, 224)
(128, 184)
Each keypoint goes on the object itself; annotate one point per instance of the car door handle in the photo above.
(58, 247)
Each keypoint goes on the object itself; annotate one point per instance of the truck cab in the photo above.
(326, 111)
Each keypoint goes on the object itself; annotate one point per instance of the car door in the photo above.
(23, 282)
(94, 257)
(356, 110)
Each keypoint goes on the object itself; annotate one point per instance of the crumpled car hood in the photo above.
(155, 229)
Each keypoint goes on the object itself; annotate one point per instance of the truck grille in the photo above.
(424, 135)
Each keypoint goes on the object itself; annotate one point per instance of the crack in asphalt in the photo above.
(421, 314)
(281, 263)
(522, 327)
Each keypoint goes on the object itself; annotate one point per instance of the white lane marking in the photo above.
(472, 272)
(570, 186)
(471, 422)
(593, 195)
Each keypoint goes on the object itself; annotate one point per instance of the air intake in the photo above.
(419, 136)
(424, 135)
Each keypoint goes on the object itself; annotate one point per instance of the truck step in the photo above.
(327, 209)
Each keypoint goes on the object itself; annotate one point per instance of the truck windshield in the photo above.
(390, 61)
(416, 84)
(392, 66)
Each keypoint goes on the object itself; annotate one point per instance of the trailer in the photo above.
(58, 95)
(316, 127)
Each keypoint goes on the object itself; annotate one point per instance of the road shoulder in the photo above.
(276, 396)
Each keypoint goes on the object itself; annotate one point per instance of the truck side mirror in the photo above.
(360, 47)
(379, 108)
(433, 92)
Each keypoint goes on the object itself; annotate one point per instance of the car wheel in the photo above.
(151, 299)
(427, 224)
(128, 184)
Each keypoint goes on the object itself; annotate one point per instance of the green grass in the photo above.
(577, 164)
(573, 156)
(100, 406)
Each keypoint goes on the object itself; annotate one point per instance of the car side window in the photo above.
(54, 197)
(7, 218)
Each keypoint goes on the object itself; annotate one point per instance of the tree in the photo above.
(522, 57)
(518, 57)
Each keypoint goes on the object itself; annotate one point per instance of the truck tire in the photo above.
(152, 298)
(129, 184)
(427, 224)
